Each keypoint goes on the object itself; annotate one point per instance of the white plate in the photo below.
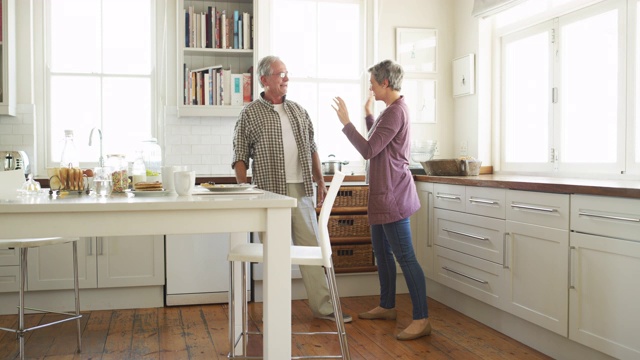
(150, 193)
(227, 187)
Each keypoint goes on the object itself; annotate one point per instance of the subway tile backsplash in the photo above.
(204, 144)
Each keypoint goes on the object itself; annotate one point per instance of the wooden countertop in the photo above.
(605, 187)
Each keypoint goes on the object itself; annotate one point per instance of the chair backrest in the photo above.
(323, 219)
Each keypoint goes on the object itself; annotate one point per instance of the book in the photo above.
(226, 87)
(187, 38)
(240, 46)
(223, 29)
(207, 89)
(217, 30)
(208, 27)
(246, 24)
(236, 90)
(236, 27)
(246, 88)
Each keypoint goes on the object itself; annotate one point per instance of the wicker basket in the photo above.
(352, 196)
(349, 226)
(357, 255)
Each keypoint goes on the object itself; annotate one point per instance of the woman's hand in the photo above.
(368, 105)
(341, 110)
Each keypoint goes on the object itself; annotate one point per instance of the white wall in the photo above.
(205, 143)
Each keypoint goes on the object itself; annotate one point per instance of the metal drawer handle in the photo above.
(531, 207)
(466, 234)
(583, 213)
(465, 275)
(449, 197)
(483, 201)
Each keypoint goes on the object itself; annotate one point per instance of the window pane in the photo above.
(637, 125)
(127, 49)
(526, 99)
(330, 135)
(125, 103)
(342, 55)
(589, 89)
(75, 36)
(301, 29)
(75, 105)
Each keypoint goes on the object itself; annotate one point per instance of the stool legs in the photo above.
(337, 311)
(76, 293)
(232, 310)
(23, 282)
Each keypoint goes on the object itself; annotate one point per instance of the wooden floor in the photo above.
(200, 332)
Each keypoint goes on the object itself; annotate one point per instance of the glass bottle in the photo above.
(119, 165)
(138, 169)
(69, 155)
(152, 156)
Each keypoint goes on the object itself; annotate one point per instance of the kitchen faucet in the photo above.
(101, 159)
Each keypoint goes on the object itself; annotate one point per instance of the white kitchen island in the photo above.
(126, 215)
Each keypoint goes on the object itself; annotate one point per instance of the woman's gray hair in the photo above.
(264, 66)
(388, 70)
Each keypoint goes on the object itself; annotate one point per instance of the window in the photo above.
(98, 74)
(322, 42)
(564, 94)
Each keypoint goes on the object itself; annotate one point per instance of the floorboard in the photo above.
(201, 332)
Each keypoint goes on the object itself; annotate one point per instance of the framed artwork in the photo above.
(420, 96)
(464, 75)
(416, 49)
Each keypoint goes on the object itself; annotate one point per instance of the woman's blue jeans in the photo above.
(394, 239)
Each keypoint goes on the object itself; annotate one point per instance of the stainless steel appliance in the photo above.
(15, 160)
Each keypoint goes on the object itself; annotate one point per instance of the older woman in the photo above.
(392, 195)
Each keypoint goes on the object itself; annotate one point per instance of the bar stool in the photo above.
(24, 245)
(300, 255)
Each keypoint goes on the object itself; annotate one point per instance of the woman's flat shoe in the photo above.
(389, 314)
(406, 336)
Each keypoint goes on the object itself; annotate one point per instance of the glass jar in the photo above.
(120, 176)
(152, 156)
(138, 170)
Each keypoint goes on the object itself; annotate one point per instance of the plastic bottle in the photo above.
(69, 155)
(138, 170)
(152, 156)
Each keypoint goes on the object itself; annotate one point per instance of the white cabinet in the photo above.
(469, 229)
(103, 262)
(536, 261)
(422, 230)
(197, 56)
(8, 59)
(604, 311)
(9, 270)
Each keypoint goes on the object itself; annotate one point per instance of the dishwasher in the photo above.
(197, 270)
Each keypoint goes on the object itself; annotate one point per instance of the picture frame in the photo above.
(420, 96)
(416, 49)
(464, 75)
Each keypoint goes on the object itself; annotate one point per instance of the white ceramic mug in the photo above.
(168, 178)
(184, 182)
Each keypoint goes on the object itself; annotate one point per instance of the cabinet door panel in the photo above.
(604, 307)
(536, 275)
(422, 234)
(130, 261)
(9, 278)
(51, 267)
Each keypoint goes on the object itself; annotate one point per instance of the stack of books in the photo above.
(217, 29)
(213, 85)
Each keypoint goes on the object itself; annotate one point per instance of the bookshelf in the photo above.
(198, 48)
(7, 59)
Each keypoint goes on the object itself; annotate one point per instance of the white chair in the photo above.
(301, 255)
(24, 245)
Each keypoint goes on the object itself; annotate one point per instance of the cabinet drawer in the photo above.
(9, 278)
(475, 235)
(538, 208)
(608, 216)
(485, 201)
(9, 257)
(475, 277)
(451, 197)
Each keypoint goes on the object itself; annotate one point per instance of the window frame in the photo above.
(627, 19)
(42, 81)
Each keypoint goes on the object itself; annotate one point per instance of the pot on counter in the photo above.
(331, 165)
